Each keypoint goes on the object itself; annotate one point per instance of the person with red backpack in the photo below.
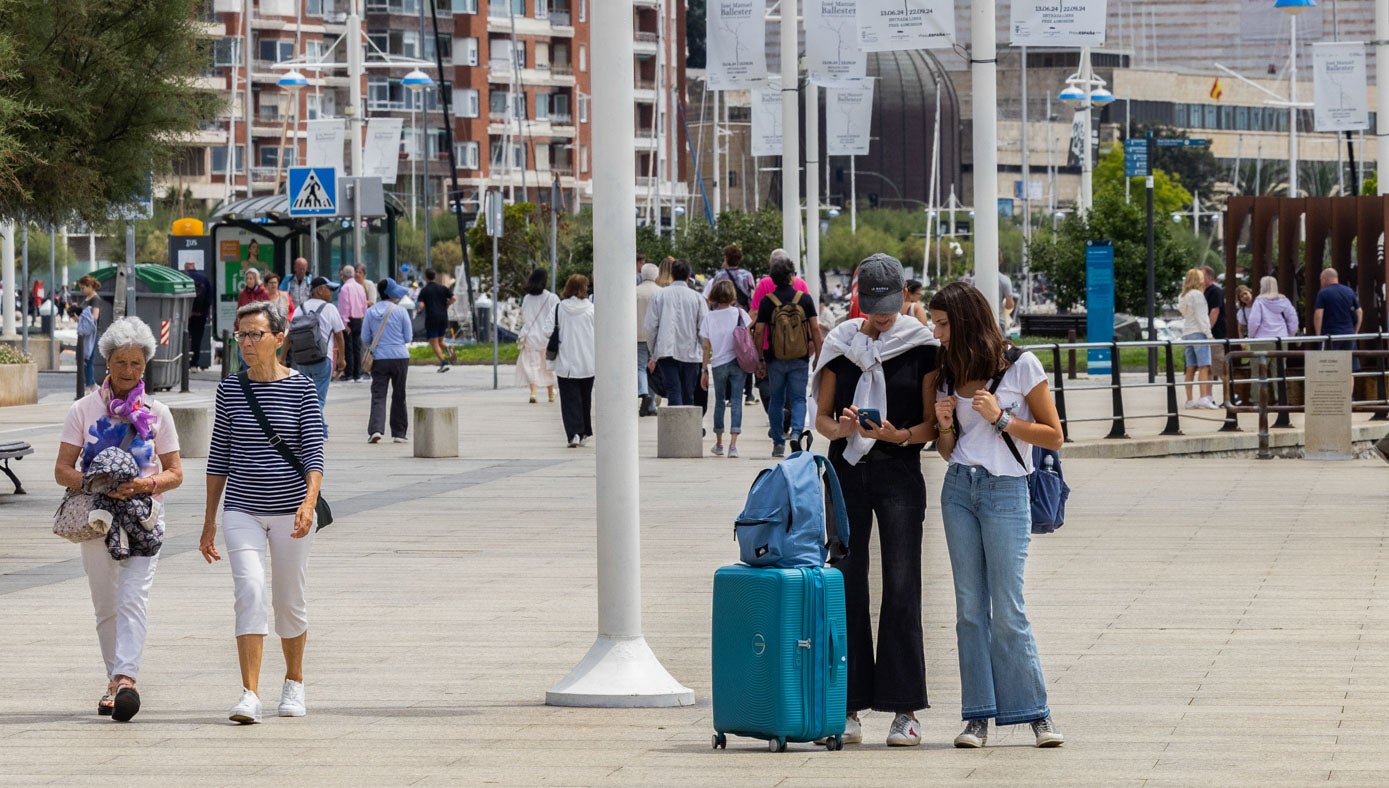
(788, 322)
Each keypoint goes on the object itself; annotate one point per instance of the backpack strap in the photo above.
(1012, 354)
(776, 302)
(836, 515)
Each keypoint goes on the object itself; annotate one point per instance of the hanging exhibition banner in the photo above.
(325, 143)
(848, 119)
(1339, 87)
(1058, 23)
(766, 119)
(381, 155)
(831, 43)
(736, 43)
(886, 25)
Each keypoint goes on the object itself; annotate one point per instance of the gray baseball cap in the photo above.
(880, 283)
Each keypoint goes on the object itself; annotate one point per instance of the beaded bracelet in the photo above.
(1003, 419)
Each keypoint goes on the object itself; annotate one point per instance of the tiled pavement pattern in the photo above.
(1200, 622)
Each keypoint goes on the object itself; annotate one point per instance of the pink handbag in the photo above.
(744, 349)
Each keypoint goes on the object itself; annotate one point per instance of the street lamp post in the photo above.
(416, 81)
(1292, 8)
(1085, 91)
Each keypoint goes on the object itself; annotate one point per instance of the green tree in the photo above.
(696, 46)
(1061, 257)
(104, 90)
(524, 246)
(1168, 196)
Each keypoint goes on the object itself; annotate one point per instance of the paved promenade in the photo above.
(1200, 621)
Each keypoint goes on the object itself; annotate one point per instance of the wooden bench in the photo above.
(1055, 325)
(14, 450)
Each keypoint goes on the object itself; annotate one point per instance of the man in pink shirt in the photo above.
(352, 304)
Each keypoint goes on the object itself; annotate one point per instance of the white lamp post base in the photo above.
(619, 673)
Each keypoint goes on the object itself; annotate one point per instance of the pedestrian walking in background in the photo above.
(298, 283)
(765, 285)
(665, 272)
(787, 323)
(537, 323)
(275, 295)
(718, 331)
(331, 335)
(912, 293)
(251, 288)
(672, 326)
(269, 505)
(1215, 303)
(387, 331)
(1196, 324)
(1337, 312)
(646, 290)
(574, 362)
(352, 305)
(986, 511)
(1244, 299)
(359, 274)
(87, 322)
(882, 364)
(120, 415)
(199, 313)
(1272, 315)
(436, 299)
(744, 284)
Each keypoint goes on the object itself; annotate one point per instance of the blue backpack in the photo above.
(791, 519)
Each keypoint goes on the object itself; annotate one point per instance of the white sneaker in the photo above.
(292, 699)
(400, 440)
(375, 438)
(586, 441)
(1048, 735)
(853, 730)
(906, 732)
(1192, 404)
(1208, 403)
(974, 736)
(573, 441)
(247, 710)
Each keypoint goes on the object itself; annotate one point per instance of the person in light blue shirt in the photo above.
(386, 332)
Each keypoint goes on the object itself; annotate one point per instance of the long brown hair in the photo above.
(976, 349)
(576, 286)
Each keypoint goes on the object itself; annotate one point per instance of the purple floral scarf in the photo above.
(129, 408)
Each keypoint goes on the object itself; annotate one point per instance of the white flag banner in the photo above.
(831, 43)
(885, 25)
(1058, 23)
(325, 143)
(1339, 87)
(848, 119)
(381, 155)
(766, 119)
(736, 43)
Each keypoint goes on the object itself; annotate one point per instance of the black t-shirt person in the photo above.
(785, 294)
(903, 375)
(434, 297)
(1215, 299)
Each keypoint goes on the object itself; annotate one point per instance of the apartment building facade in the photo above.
(516, 75)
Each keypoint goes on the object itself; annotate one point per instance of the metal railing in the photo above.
(1236, 350)
(1264, 381)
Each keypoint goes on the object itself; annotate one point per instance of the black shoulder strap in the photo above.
(270, 434)
(1012, 354)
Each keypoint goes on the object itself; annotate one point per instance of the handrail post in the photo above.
(1231, 416)
(1174, 426)
(1383, 383)
(1060, 393)
(1264, 452)
(1071, 354)
(1116, 392)
(1280, 365)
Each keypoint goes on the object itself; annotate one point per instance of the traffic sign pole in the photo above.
(1152, 270)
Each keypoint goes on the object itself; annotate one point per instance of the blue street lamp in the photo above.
(416, 80)
(1292, 8)
(1071, 95)
(1295, 7)
(292, 80)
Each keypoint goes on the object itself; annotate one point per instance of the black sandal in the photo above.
(105, 705)
(127, 703)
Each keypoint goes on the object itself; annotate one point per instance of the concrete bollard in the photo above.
(194, 426)
(436, 431)
(678, 431)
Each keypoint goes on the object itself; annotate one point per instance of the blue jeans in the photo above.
(988, 525)
(728, 378)
(320, 374)
(680, 379)
(89, 366)
(787, 380)
(643, 356)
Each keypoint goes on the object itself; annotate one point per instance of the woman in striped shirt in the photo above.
(267, 503)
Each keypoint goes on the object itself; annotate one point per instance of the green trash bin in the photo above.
(163, 297)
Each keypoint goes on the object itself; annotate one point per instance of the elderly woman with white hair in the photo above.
(119, 414)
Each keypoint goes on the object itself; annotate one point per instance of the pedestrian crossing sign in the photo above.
(313, 191)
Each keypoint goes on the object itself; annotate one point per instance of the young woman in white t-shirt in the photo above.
(986, 512)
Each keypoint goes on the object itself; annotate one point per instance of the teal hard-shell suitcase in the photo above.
(780, 662)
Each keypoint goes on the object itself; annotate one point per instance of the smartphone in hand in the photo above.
(870, 418)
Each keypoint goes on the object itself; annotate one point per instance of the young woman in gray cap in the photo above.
(870, 383)
(985, 509)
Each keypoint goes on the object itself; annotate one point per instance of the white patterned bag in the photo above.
(71, 520)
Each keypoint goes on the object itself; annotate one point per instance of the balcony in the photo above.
(562, 69)
(560, 19)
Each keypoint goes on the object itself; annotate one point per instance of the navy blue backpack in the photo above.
(791, 519)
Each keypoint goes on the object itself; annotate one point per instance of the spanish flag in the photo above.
(1216, 91)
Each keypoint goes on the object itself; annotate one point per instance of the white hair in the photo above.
(124, 333)
(347, 270)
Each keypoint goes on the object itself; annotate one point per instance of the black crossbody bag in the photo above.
(321, 509)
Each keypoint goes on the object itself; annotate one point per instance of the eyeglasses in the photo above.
(253, 336)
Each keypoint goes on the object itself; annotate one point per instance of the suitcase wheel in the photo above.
(836, 743)
(719, 741)
(776, 745)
